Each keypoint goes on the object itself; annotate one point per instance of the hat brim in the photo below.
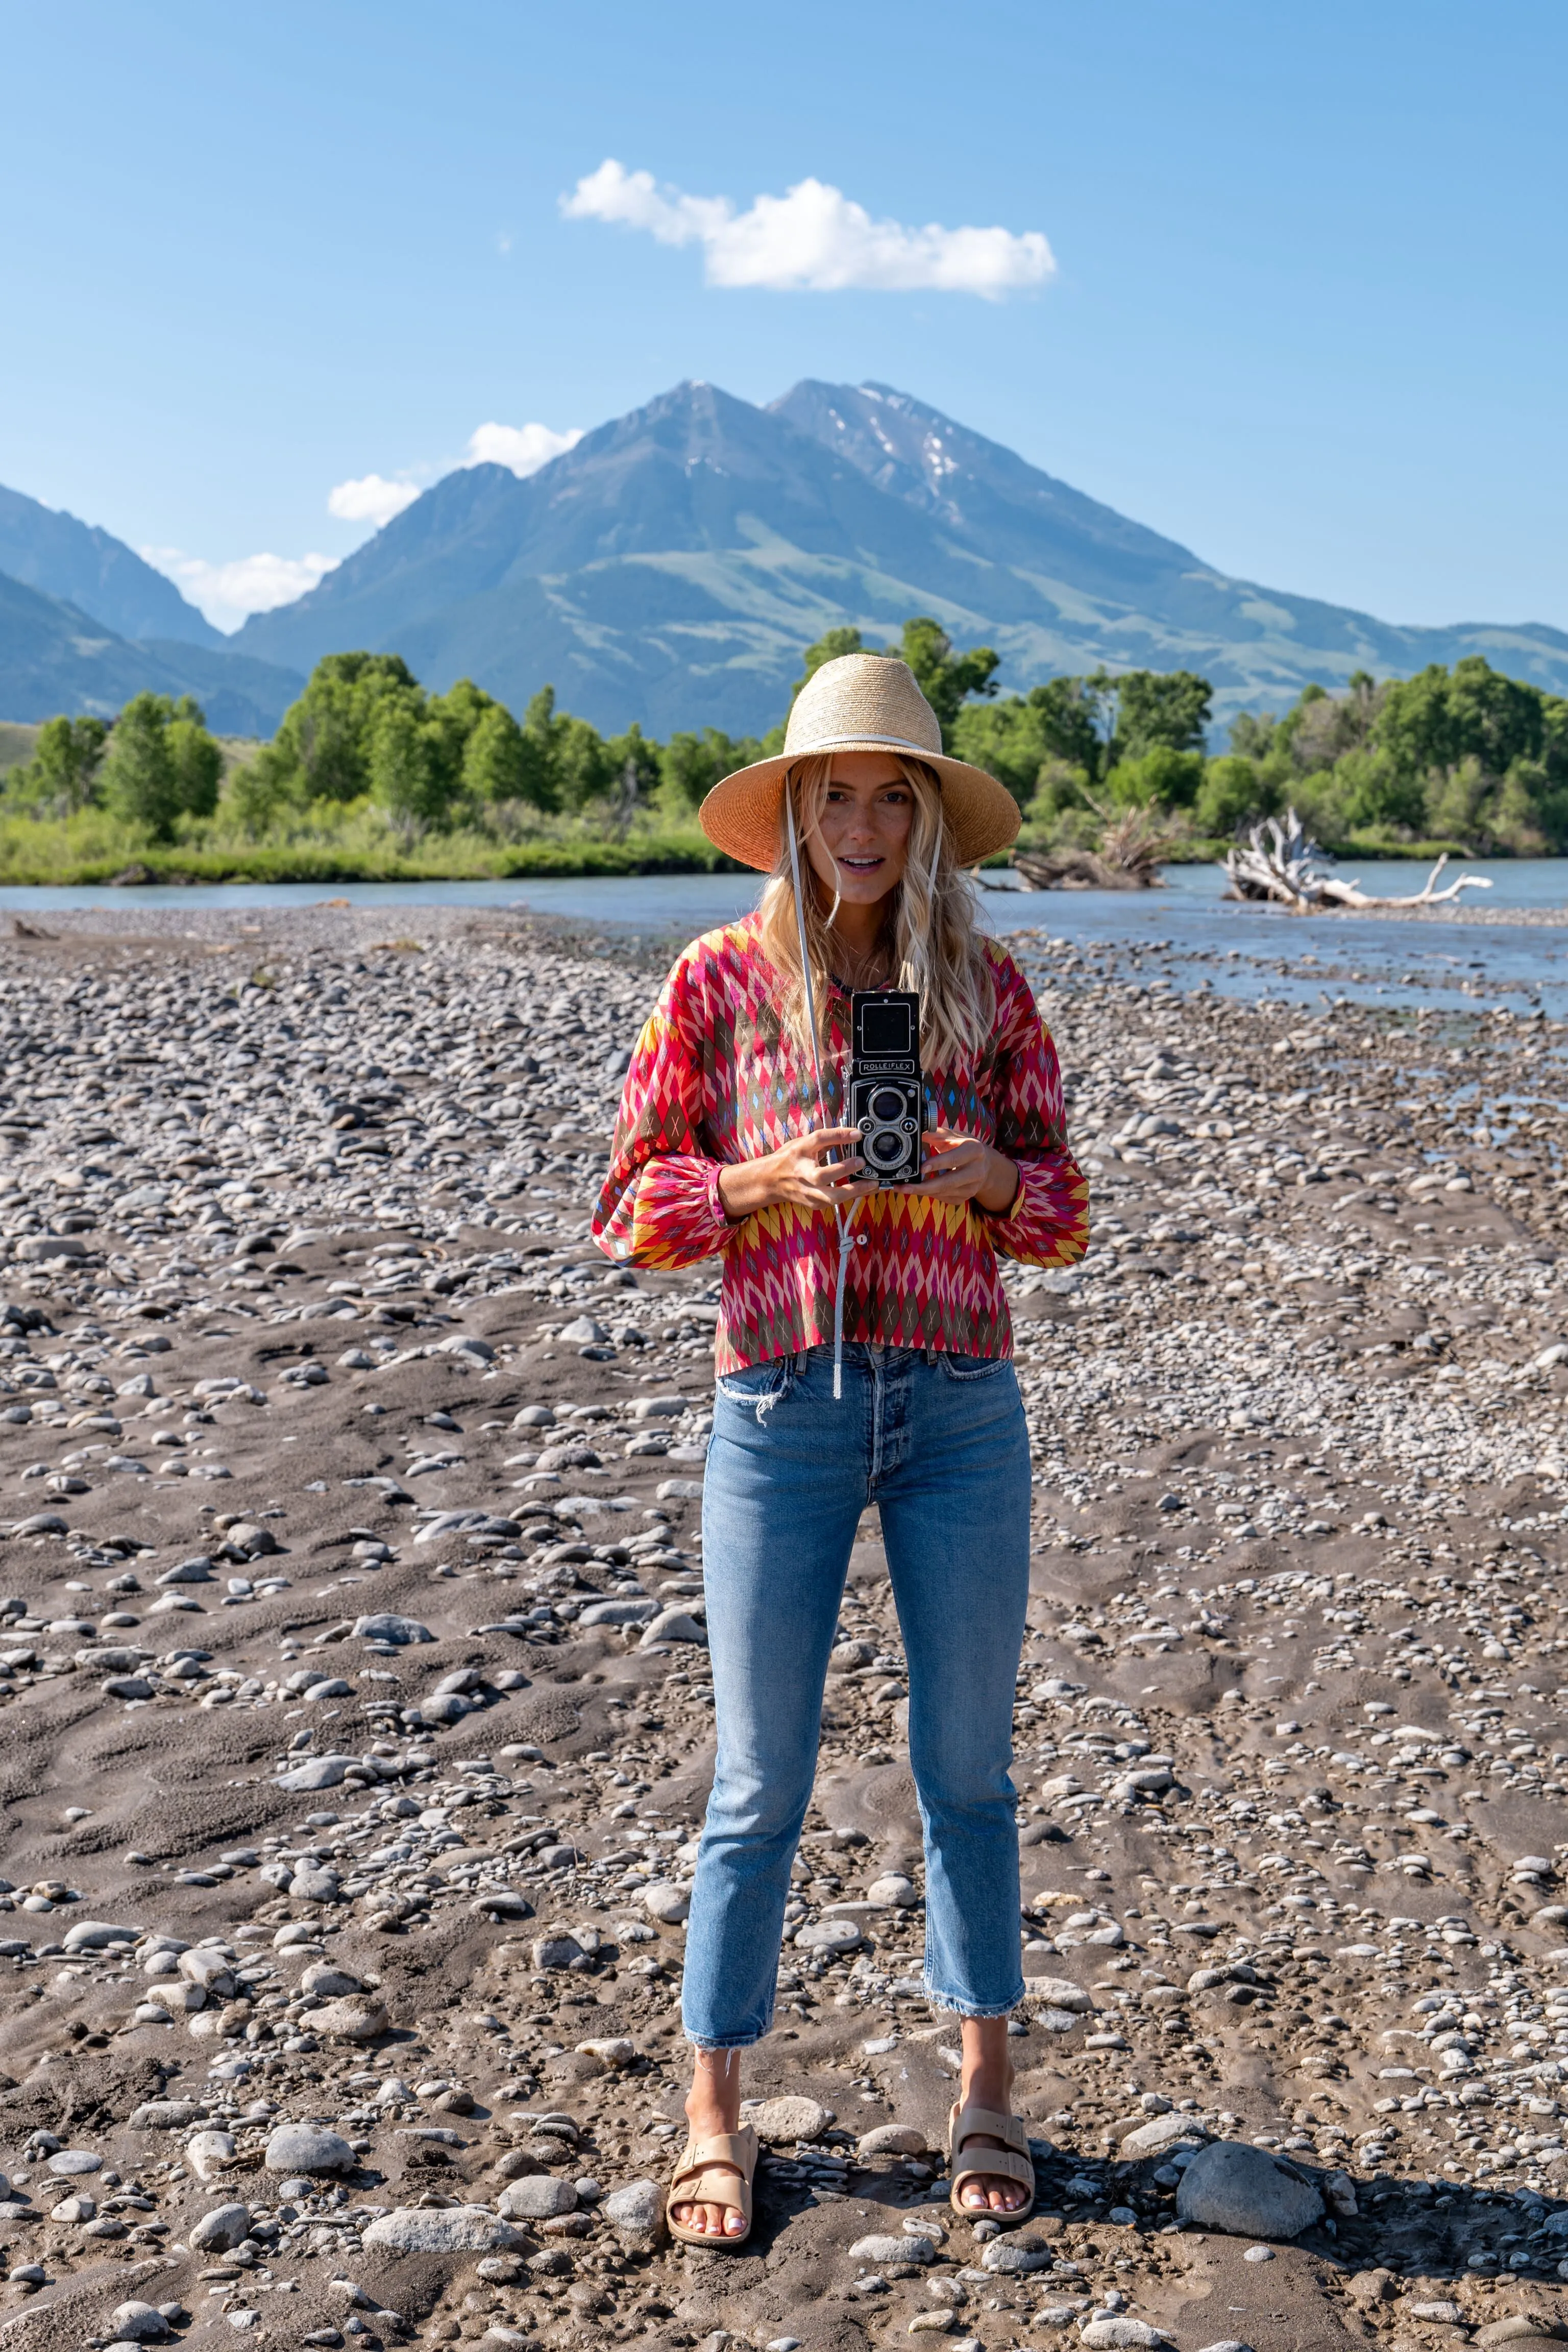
(743, 814)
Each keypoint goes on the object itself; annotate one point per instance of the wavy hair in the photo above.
(928, 924)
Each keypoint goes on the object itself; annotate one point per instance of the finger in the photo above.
(825, 1138)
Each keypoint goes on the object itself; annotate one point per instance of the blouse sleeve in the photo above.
(1048, 1223)
(659, 1206)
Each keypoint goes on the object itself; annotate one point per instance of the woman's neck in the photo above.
(858, 930)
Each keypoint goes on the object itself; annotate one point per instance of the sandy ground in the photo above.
(356, 1726)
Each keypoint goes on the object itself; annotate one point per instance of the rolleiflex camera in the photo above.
(884, 1095)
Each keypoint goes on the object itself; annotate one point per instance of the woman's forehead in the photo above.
(865, 770)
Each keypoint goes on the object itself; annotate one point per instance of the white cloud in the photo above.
(523, 448)
(814, 237)
(229, 592)
(371, 499)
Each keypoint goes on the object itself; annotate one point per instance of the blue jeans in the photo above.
(941, 1447)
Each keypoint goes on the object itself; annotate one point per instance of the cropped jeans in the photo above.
(939, 1444)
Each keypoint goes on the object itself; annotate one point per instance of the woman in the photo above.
(863, 1356)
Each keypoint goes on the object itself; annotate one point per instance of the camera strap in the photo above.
(840, 1221)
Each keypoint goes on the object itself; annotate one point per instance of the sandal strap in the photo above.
(966, 2122)
(731, 2151)
(994, 2163)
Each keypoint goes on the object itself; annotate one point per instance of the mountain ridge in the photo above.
(671, 565)
(82, 564)
(55, 657)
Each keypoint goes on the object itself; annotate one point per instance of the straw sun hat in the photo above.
(862, 702)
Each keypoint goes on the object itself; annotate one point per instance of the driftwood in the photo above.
(1282, 869)
(1078, 869)
(1134, 845)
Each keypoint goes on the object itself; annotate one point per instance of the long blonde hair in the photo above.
(928, 923)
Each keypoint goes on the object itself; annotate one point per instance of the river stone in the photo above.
(1058, 1992)
(386, 1626)
(92, 1935)
(539, 2200)
(776, 2121)
(666, 1902)
(635, 2212)
(1113, 2334)
(1011, 2258)
(139, 2323)
(216, 2232)
(673, 1625)
(878, 2249)
(71, 2161)
(1245, 2193)
(1165, 2131)
(309, 2147)
(209, 2152)
(828, 1936)
(359, 2017)
(312, 1883)
(328, 1982)
(892, 2139)
(452, 2230)
(320, 1772)
(166, 2115)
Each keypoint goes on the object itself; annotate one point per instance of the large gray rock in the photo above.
(139, 2323)
(1058, 1992)
(309, 2147)
(166, 2114)
(876, 2249)
(892, 2139)
(358, 2016)
(1011, 2260)
(1245, 2193)
(386, 1626)
(216, 2232)
(208, 2152)
(777, 2121)
(635, 2212)
(539, 2200)
(321, 1772)
(1119, 2333)
(452, 2230)
(92, 1935)
(666, 1902)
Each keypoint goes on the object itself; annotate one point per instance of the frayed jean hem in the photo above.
(727, 2041)
(958, 2007)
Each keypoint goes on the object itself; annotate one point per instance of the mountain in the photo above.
(55, 658)
(671, 566)
(95, 572)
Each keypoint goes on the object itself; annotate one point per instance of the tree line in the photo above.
(1466, 756)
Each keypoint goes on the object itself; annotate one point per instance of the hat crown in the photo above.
(871, 699)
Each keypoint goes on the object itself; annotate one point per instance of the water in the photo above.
(1187, 933)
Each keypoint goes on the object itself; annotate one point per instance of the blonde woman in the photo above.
(863, 1357)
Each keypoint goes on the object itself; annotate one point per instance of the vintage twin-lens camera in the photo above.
(884, 1095)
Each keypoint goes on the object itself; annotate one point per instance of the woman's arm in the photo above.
(660, 1204)
(1047, 1221)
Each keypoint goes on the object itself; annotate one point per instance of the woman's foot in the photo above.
(987, 2082)
(713, 2106)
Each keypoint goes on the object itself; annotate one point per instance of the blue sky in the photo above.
(1306, 315)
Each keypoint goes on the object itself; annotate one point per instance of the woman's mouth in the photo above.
(861, 864)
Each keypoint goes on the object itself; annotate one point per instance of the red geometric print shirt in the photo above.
(714, 1080)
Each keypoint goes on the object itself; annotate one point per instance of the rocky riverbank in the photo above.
(348, 2013)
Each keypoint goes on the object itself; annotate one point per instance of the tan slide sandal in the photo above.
(1012, 2161)
(717, 2170)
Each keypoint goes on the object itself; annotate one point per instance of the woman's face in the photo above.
(862, 842)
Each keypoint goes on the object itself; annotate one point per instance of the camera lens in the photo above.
(888, 1104)
(885, 1148)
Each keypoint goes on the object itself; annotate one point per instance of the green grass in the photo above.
(352, 846)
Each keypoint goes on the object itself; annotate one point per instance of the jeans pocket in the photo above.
(968, 1369)
(759, 1387)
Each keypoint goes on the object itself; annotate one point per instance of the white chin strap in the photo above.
(842, 1222)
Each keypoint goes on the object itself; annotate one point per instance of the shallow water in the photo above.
(1187, 933)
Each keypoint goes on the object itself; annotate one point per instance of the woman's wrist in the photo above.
(744, 1187)
(1000, 1189)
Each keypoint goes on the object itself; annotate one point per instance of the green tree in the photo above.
(63, 770)
(1161, 710)
(1161, 776)
(411, 775)
(1234, 789)
(140, 782)
(495, 760)
(947, 678)
(198, 759)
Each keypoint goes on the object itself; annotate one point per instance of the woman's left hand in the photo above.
(960, 1168)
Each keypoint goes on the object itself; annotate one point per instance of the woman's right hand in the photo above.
(797, 1172)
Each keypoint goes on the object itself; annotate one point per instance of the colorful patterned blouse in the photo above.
(714, 1080)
